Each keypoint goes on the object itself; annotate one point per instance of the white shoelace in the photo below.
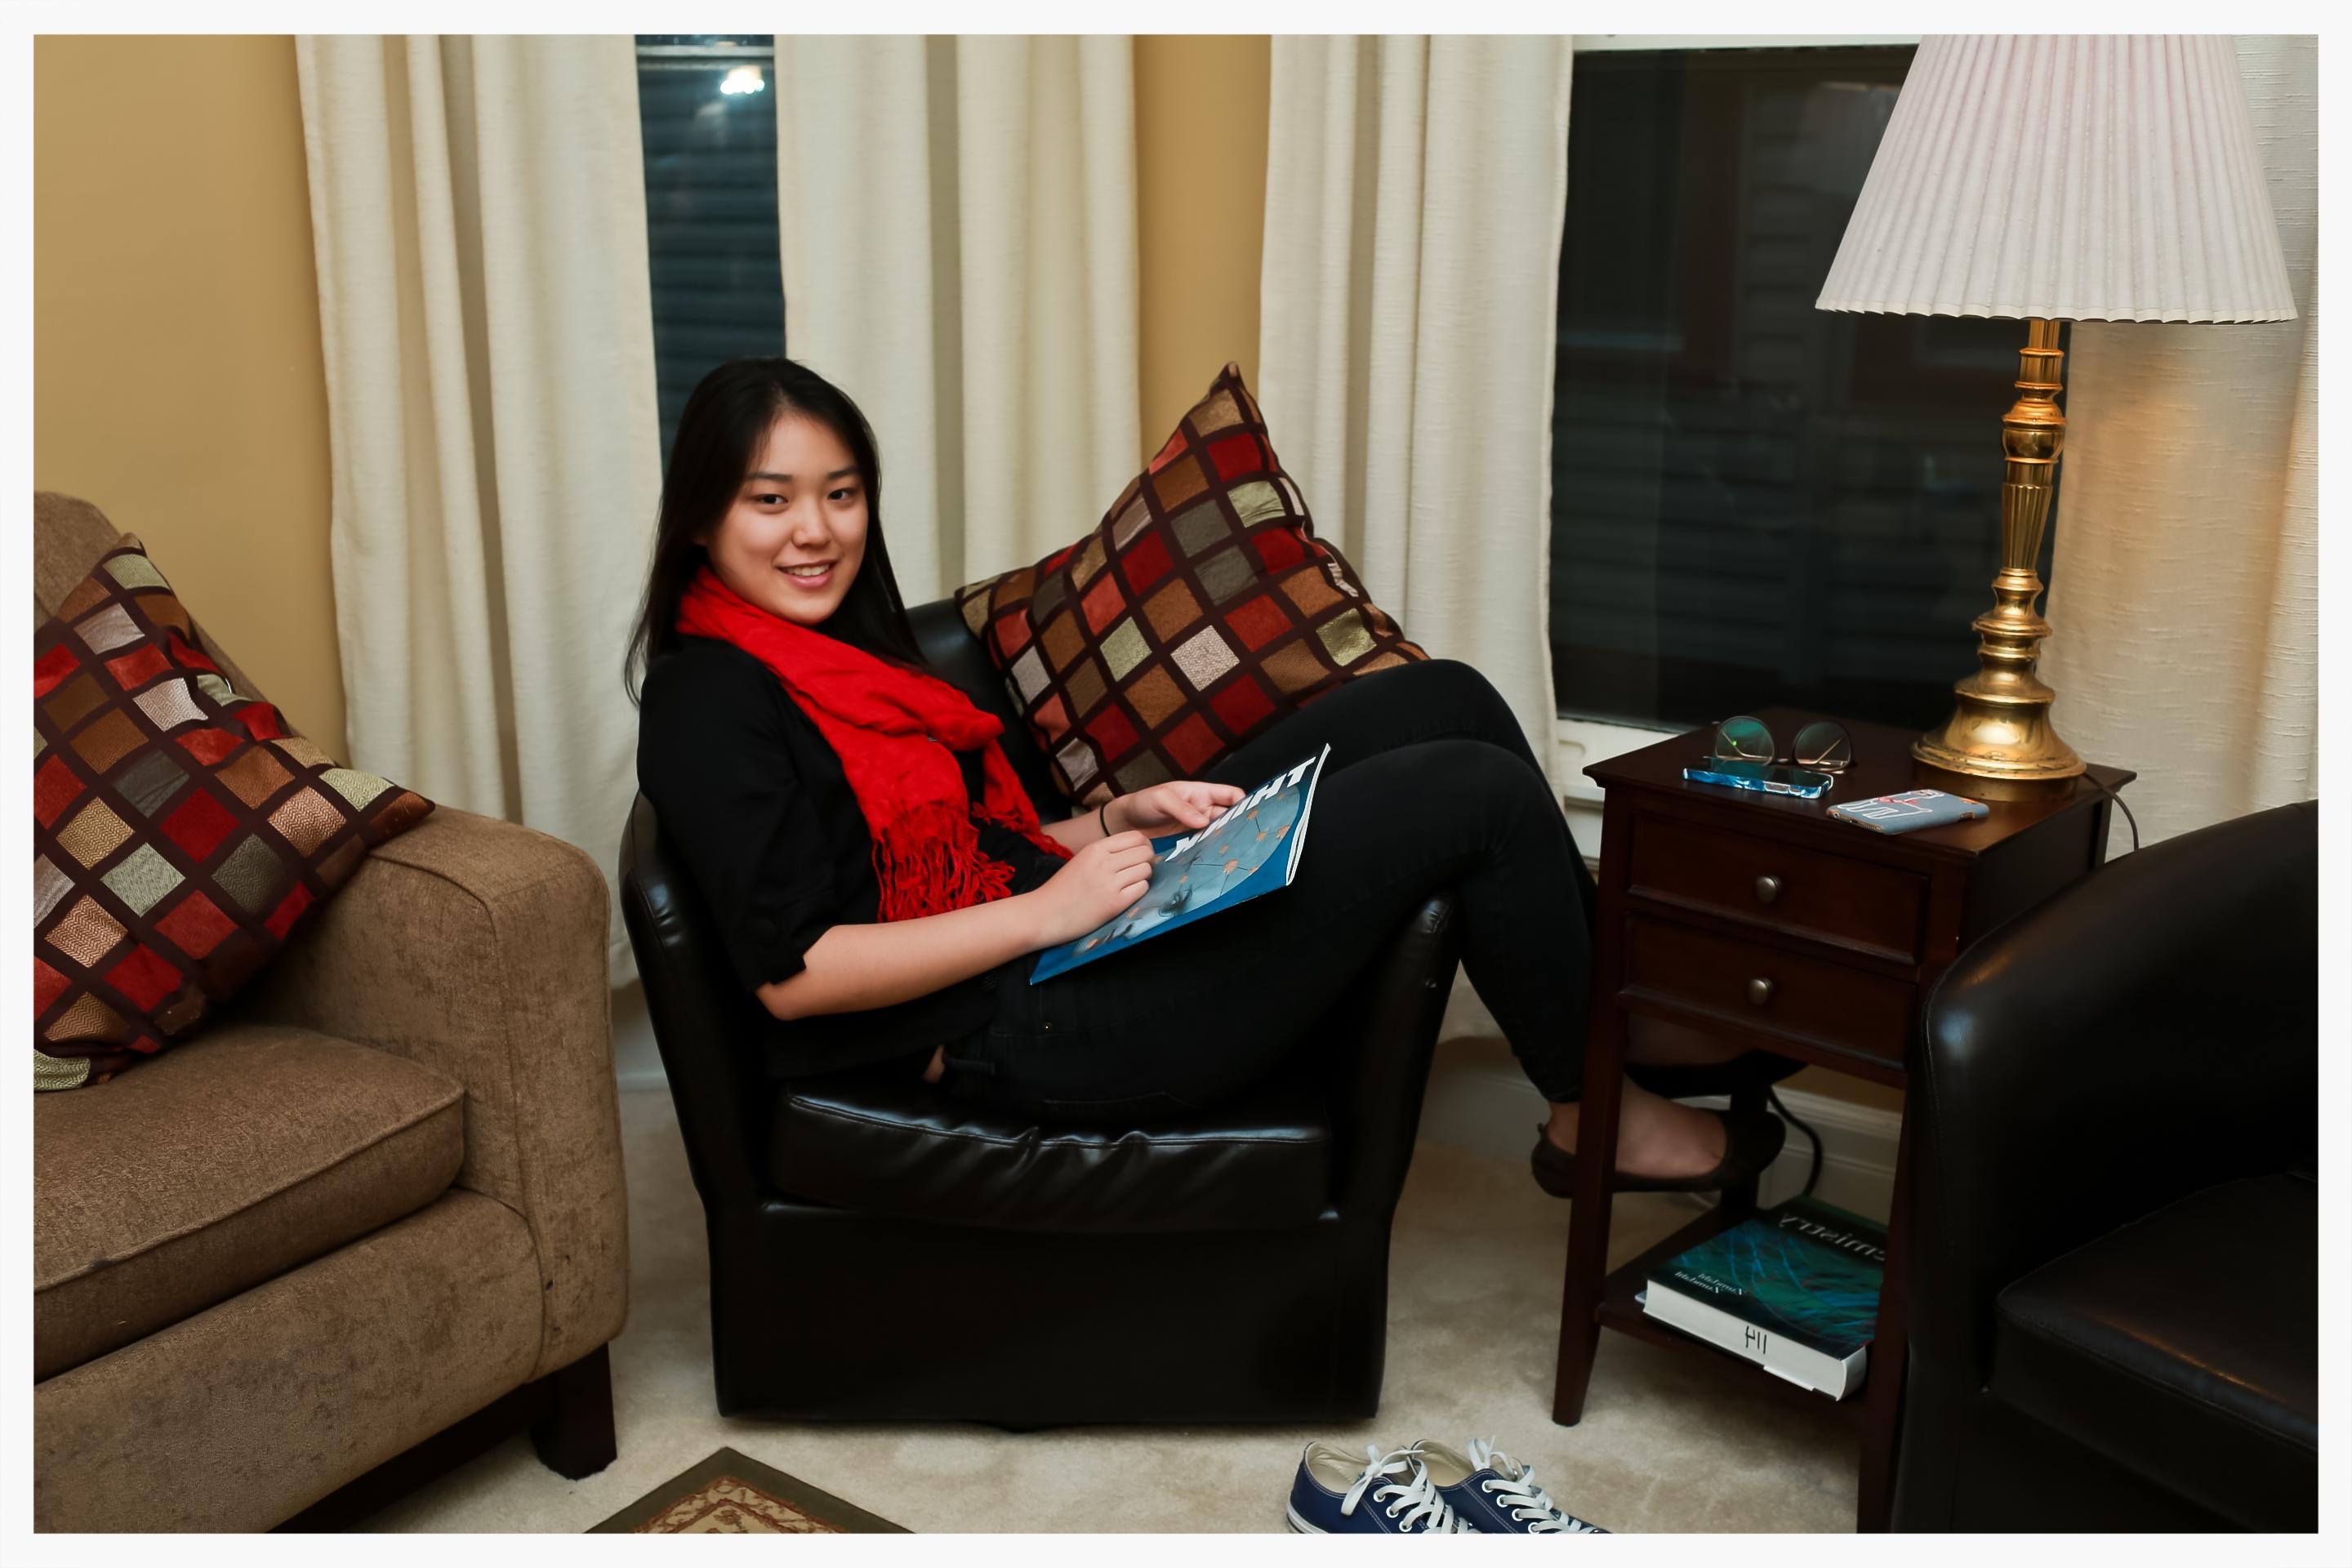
(1528, 1504)
(1414, 1502)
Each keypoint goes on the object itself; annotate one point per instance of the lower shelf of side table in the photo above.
(1620, 1312)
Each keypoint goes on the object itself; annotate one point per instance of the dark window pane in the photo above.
(710, 206)
(1754, 501)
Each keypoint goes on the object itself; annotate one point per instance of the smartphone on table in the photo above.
(1771, 778)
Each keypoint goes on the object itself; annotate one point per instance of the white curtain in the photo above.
(1414, 196)
(2184, 587)
(959, 236)
(477, 206)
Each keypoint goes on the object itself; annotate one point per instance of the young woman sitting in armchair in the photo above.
(886, 883)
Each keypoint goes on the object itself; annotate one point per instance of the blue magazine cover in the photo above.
(1252, 848)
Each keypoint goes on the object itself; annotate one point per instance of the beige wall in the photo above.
(1199, 155)
(176, 374)
(1839, 1086)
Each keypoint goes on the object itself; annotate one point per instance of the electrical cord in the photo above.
(2118, 799)
(1812, 1176)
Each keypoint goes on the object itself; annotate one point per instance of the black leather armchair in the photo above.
(2113, 1216)
(880, 1252)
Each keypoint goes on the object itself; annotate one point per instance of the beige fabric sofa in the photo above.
(379, 1195)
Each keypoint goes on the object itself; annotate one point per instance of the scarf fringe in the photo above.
(928, 862)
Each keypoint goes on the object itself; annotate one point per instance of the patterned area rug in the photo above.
(730, 1494)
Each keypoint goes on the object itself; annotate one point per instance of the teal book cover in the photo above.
(1805, 1270)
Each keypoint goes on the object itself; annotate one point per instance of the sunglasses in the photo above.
(1821, 745)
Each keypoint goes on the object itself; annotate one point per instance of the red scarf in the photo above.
(896, 731)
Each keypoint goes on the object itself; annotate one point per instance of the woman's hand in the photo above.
(1093, 884)
(1181, 807)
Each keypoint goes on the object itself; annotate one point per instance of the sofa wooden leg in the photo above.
(574, 1436)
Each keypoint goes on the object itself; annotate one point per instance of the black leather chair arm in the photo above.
(2156, 1019)
(717, 1077)
(1403, 999)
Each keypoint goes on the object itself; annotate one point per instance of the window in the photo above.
(710, 127)
(1755, 502)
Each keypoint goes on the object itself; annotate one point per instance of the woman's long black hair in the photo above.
(720, 434)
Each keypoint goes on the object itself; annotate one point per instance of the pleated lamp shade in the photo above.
(2078, 178)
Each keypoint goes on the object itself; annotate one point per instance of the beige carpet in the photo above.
(1474, 1310)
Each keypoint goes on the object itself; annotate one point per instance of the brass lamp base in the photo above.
(1994, 756)
(2000, 741)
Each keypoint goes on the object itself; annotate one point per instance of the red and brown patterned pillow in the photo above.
(1201, 609)
(179, 830)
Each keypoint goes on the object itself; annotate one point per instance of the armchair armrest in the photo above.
(1401, 998)
(2151, 1031)
(477, 947)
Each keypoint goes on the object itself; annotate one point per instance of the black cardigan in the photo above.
(769, 833)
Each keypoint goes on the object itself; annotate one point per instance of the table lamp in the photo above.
(2053, 179)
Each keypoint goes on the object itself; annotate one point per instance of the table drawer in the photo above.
(1805, 891)
(1764, 988)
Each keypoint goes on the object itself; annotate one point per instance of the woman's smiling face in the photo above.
(793, 537)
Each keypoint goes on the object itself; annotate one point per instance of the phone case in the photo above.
(1911, 809)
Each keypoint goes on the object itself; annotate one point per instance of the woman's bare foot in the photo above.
(1655, 1138)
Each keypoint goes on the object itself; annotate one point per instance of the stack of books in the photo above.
(1794, 1288)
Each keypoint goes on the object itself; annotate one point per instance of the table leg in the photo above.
(1889, 1356)
(1588, 1221)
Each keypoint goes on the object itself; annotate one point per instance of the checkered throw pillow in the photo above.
(1200, 610)
(179, 829)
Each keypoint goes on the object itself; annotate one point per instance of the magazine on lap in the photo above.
(1251, 849)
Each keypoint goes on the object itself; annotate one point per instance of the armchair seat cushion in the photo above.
(2187, 1346)
(166, 1191)
(1262, 1162)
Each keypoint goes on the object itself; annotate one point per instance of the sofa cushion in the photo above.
(239, 1418)
(180, 829)
(1262, 1162)
(1201, 609)
(157, 1193)
(2185, 1345)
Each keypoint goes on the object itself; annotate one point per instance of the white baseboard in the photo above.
(1479, 1100)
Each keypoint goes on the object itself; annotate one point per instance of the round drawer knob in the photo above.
(1767, 888)
(1760, 991)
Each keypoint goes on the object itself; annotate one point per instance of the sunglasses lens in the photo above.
(1744, 740)
(1823, 747)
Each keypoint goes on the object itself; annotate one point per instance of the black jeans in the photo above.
(1430, 786)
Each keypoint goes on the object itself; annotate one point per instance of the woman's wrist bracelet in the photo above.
(1102, 816)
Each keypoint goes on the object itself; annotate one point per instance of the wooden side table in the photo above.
(1764, 921)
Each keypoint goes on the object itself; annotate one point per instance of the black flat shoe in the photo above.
(1751, 1140)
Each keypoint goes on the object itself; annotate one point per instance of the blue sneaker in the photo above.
(1494, 1494)
(1336, 1493)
